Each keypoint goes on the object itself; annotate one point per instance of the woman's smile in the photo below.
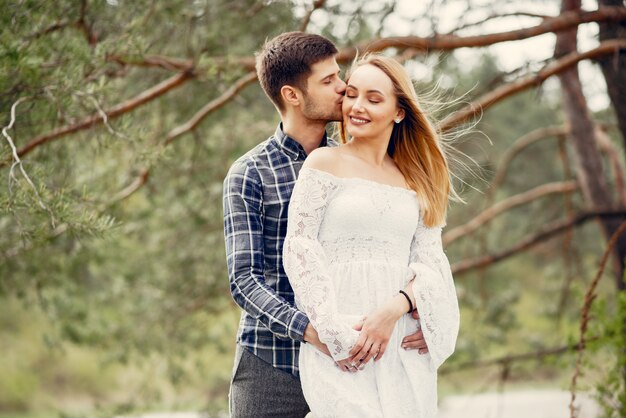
(358, 121)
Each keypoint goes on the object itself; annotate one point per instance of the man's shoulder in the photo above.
(249, 161)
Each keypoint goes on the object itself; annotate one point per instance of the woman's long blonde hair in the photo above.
(414, 146)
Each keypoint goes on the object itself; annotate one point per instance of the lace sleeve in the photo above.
(305, 262)
(435, 295)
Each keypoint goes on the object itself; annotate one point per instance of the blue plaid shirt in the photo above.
(257, 190)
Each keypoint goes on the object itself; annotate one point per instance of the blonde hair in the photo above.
(415, 145)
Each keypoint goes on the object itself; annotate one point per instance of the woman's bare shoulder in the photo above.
(325, 159)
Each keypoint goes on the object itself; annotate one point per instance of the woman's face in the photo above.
(370, 105)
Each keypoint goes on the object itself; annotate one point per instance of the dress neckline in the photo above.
(362, 180)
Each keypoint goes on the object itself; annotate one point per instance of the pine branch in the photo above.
(211, 107)
(317, 4)
(562, 22)
(498, 16)
(122, 108)
(102, 113)
(52, 28)
(18, 162)
(518, 146)
(511, 202)
(507, 360)
(524, 142)
(428, 44)
(548, 231)
(80, 24)
(152, 61)
(502, 92)
(187, 127)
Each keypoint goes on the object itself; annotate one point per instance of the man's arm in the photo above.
(243, 232)
(416, 340)
(312, 337)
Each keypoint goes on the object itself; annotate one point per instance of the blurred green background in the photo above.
(118, 303)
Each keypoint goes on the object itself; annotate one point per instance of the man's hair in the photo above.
(287, 60)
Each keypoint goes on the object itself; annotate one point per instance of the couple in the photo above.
(351, 232)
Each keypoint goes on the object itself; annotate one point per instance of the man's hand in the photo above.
(416, 340)
(311, 337)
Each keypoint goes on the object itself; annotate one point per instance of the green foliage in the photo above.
(609, 323)
(143, 278)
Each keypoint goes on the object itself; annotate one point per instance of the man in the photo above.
(299, 74)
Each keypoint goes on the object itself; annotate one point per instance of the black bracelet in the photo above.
(408, 300)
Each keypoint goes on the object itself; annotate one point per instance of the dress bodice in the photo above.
(366, 221)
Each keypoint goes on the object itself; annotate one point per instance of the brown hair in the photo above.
(415, 145)
(287, 60)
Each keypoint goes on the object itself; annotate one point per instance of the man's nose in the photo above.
(341, 86)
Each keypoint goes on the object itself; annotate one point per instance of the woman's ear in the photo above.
(400, 114)
(290, 95)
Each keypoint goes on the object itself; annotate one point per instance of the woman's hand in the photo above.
(376, 330)
(346, 365)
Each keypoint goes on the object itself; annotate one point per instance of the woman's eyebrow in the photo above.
(350, 86)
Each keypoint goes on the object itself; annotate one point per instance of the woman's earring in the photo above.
(398, 120)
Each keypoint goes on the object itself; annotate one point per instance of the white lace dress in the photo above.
(351, 244)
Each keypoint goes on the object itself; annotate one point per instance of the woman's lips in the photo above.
(358, 121)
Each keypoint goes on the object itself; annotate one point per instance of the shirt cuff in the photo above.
(298, 325)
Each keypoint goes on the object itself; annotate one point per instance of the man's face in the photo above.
(324, 93)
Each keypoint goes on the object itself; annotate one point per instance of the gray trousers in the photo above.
(257, 389)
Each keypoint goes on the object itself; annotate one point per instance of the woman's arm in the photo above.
(377, 327)
(434, 293)
(432, 296)
(305, 261)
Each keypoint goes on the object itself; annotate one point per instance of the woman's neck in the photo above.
(371, 151)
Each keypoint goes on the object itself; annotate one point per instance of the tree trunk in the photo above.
(614, 70)
(583, 137)
(614, 66)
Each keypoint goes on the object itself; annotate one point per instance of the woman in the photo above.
(364, 238)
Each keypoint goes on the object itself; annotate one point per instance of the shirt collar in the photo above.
(290, 146)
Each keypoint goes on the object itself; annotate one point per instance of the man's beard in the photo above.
(328, 113)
